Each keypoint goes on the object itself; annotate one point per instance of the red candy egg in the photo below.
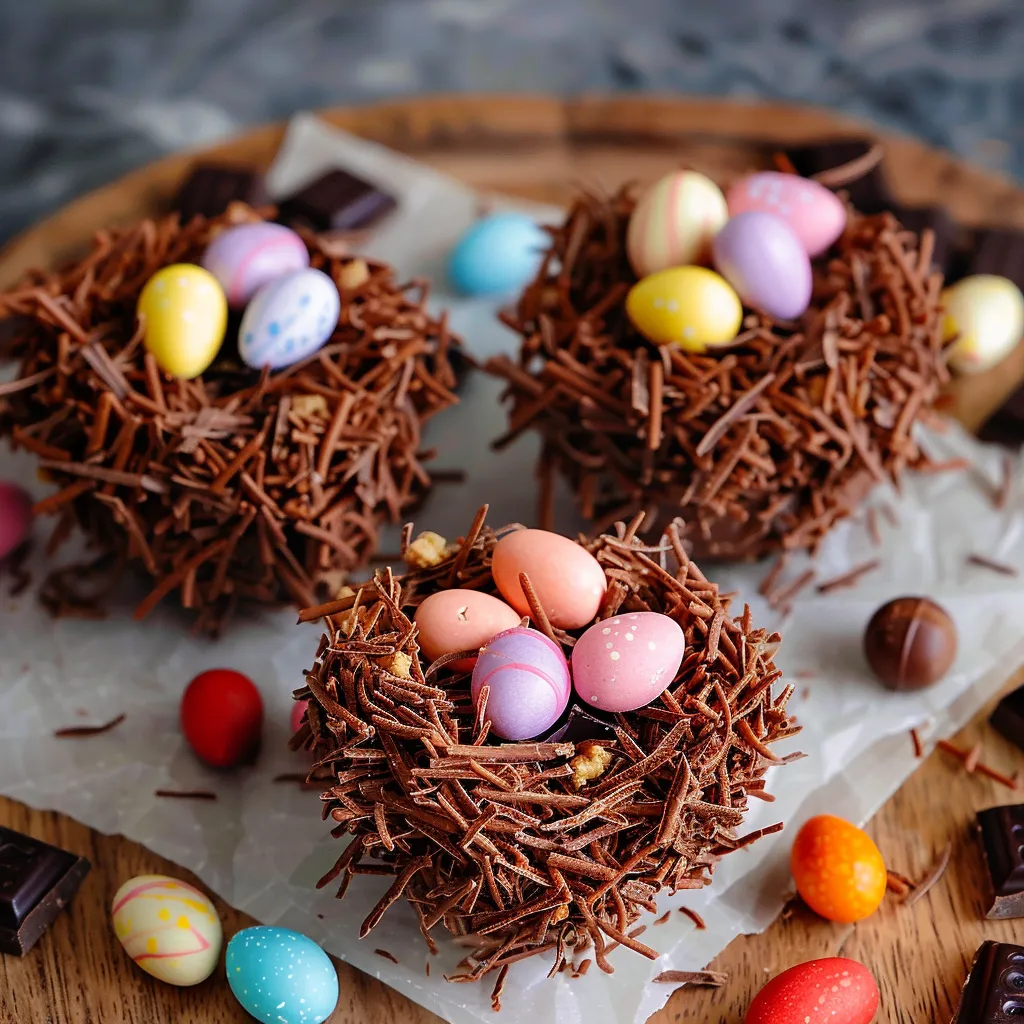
(829, 991)
(298, 713)
(222, 717)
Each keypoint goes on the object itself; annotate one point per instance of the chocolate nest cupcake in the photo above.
(547, 821)
(765, 439)
(239, 484)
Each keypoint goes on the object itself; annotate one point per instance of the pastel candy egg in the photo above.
(461, 620)
(288, 319)
(15, 517)
(811, 210)
(623, 663)
(832, 990)
(691, 307)
(528, 678)
(168, 927)
(281, 976)
(246, 257)
(185, 315)
(760, 255)
(985, 313)
(674, 222)
(567, 579)
(498, 255)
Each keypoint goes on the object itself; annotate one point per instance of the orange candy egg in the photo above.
(838, 870)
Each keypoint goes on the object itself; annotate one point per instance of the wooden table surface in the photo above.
(540, 148)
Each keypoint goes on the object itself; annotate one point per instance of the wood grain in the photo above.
(543, 148)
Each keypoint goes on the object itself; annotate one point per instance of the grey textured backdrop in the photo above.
(90, 88)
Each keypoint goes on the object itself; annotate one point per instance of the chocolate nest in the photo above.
(560, 844)
(238, 485)
(760, 448)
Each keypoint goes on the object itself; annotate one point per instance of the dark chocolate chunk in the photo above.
(211, 188)
(1008, 716)
(580, 726)
(999, 251)
(1006, 425)
(910, 643)
(36, 882)
(338, 201)
(1002, 838)
(994, 990)
(870, 194)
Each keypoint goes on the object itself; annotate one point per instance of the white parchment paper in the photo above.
(262, 845)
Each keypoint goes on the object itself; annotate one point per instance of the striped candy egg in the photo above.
(246, 257)
(674, 222)
(168, 927)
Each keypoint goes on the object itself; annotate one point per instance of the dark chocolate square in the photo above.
(338, 201)
(999, 251)
(1008, 716)
(36, 882)
(870, 194)
(994, 990)
(1002, 839)
(1006, 426)
(211, 188)
(578, 726)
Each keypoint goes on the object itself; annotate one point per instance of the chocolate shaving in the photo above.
(936, 872)
(850, 578)
(77, 731)
(915, 739)
(389, 956)
(186, 794)
(985, 562)
(711, 979)
(694, 917)
(978, 766)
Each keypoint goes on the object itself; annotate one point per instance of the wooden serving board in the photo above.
(541, 148)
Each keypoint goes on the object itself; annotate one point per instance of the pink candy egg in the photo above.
(760, 255)
(811, 210)
(623, 663)
(15, 517)
(245, 258)
(298, 711)
(568, 580)
(528, 679)
(461, 620)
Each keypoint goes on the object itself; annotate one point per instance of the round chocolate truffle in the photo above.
(910, 643)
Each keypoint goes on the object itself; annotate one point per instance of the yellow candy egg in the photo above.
(674, 222)
(985, 313)
(185, 314)
(691, 307)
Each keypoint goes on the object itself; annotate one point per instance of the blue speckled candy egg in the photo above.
(289, 319)
(281, 977)
(498, 255)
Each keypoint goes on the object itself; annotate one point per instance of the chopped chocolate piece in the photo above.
(580, 726)
(1002, 836)
(1008, 717)
(910, 643)
(999, 251)
(1006, 425)
(870, 194)
(36, 883)
(211, 188)
(338, 201)
(994, 989)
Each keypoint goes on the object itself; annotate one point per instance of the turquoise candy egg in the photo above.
(281, 977)
(498, 255)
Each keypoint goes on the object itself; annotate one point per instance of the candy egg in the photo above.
(185, 314)
(246, 257)
(297, 714)
(761, 256)
(691, 307)
(833, 990)
(674, 222)
(623, 663)
(281, 976)
(498, 255)
(567, 579)
(528, 678)
(168, 927)
(815, 214)
(288, 319)
(838, 870)
(461, 620)
(222, 717)
(985, 313)
(15, 517)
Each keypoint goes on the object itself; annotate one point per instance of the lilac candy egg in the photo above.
(289, 319)
(15, 517)
(762, 257)
(624, 663)
(246, 257)
(528, 678)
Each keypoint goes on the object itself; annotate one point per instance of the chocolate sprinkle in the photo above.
(239, 485)
(984, 562)
(493, 841)
(79, 731)
(186, 794)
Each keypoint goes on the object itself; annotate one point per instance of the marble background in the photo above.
(91, 88)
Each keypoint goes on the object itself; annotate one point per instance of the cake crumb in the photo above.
(590, 763)
(309, 406)
(354, 274)
(398, 664)
(427, 550)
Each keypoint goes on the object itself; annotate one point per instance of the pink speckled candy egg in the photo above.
(623, 663)
(569, 582)
(246, 257)
(811, 210)
(461, 620)
(298, 712)
(528, 678)
(15, 517)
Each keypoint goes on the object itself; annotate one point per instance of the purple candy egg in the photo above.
(762, 257)
(15, 516)
(529, 683)
(246, 257)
